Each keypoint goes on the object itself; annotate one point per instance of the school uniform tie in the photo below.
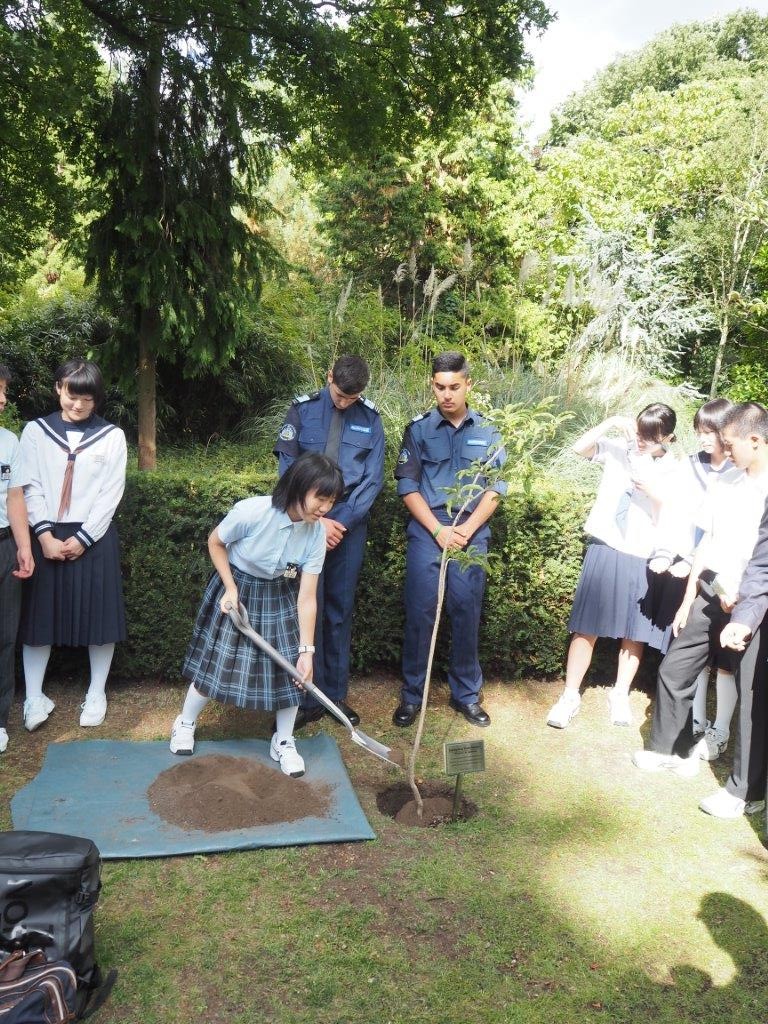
(333, 441)
(65, 499)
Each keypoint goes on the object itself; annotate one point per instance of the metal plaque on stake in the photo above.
(460, 757)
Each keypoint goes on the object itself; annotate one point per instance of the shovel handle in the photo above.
(240, 619)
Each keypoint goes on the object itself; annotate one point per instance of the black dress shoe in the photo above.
(405, 714)
(345, 709)
(473, 713)
(307, 715)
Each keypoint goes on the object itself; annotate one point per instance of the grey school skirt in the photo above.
(618, 596)
(227, 666)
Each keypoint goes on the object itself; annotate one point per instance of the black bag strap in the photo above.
(99, 995)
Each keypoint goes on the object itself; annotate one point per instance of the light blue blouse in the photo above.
(263, 541)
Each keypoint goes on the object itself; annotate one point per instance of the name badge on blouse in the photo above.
(291, 571)
(5, 472)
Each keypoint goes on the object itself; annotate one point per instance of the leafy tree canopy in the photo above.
(48, 72)
(730, 47)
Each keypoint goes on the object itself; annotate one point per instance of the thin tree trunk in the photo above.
(149, 327)
(719, 357)
(149, 315)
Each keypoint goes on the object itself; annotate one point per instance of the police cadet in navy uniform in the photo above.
(436, 446)
(340, 422)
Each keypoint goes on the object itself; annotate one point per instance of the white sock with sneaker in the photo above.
(37, 707)
(283, 746)
(183, 729)
(94, 708)
(563, 710)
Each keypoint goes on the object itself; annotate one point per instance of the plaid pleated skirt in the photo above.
(618, 596)
(225, 665)
(74, 603)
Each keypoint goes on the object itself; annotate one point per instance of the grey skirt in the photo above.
(227, 666)
(618, 596)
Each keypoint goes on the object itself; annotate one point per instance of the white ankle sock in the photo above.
(35, 663)
(194, 703)
(101, 658)
(284, 720)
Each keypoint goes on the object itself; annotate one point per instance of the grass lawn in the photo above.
(583, 890)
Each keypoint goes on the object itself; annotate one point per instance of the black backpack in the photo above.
(49, 886)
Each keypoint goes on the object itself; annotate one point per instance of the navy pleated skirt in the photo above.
(75, 603)
(618, 596)
(224, 664)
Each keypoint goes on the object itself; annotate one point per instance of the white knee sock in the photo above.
(284, 720)
(194, 703)
(35, 663)
(101, 658)
(700, 697)
(727, 696)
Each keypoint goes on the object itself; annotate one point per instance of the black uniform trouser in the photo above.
(10, 609)
(689, 653)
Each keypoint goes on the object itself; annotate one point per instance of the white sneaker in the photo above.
(564, 710)
(36, 711)
(652, 761)
(94, 710)
(291, 762)
(723, 804)
(3, 740)
(182, 737)
(619, 708)
(712, 744)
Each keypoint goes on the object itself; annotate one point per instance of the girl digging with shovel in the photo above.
(268, 554)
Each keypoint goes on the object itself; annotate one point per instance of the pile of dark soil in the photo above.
(397, 802)
(217, 792)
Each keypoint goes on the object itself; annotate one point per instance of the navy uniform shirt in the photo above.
(361, 451)
(434, 451)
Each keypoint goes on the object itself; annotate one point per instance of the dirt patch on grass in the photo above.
(397, 802)
(219, 792)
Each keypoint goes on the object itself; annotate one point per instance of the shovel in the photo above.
(240, 619)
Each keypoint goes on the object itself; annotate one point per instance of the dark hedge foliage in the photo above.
(165, 518)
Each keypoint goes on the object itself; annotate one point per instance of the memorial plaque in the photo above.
(462, 756)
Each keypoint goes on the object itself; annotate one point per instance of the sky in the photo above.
(588, 34)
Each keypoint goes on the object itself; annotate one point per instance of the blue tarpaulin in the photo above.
(98, 789)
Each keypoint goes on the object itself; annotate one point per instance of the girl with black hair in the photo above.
(75, 464)
(268, 554)
(612, 597)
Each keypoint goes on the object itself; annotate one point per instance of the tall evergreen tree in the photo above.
(205, 93)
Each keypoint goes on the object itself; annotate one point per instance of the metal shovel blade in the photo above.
(240, 619)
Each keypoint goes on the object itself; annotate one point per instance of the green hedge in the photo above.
(165, 518)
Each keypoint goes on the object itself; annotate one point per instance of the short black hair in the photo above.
(711, 415)
(350, 374)
(747, 418)
(450, 362)
(82, 377)
(312, 471)
(656, 421)
(5, 373)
